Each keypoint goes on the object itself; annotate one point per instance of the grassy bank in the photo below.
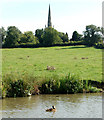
(85, 62)
(25, 70)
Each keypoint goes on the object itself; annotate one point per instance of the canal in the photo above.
(87, 105)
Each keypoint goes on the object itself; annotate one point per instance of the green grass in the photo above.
(66, 60)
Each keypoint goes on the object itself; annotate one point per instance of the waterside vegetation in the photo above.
(21, 86)
(52, 70)
(55, 63)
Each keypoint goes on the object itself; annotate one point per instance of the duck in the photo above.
(53, 109)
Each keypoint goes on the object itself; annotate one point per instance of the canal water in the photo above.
(87, 105)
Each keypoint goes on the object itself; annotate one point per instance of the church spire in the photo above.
(49, 17)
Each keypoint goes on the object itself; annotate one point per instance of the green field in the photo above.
(83, 61)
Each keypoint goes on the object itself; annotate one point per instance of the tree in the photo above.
(76, 36)
(64, 36)
(102, 33)
(2, 34)
(38, 34)
(51, 37)
(13, 36)
(92, 35)
(102, 30)
(28, 37)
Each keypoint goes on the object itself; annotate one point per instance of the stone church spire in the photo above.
(49, 17)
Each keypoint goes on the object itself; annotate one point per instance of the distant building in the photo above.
(49, 17)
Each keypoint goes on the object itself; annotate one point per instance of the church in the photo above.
(49, 24)
(49, 17)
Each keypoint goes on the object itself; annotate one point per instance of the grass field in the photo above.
(83, 61)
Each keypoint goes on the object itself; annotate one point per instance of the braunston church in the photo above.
(49, 17)
(49, 24)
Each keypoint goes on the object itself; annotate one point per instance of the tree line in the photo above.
(13, 37)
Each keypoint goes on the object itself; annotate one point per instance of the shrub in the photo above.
(68, 84)
(15, 86)
(94, 89)
(17, 89)
(50, 85)
(99, 45)
(51, 37)
(71, 84)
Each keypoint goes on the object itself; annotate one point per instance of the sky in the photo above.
(66, 15)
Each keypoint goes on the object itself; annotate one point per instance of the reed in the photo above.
(67, 84)
(16, 85)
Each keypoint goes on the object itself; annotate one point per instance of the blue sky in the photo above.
(67, 15)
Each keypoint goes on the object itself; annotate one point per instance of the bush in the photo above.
(50, 85)
(99, 45)
(17, 89)
(51, 37)
(16, 86)
(68, 84)
(94, 89)
(71, 84)
(12, 37)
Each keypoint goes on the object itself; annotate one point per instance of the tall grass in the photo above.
(67, 84)
(14, 85)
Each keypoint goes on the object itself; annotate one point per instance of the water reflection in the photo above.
(68, 106)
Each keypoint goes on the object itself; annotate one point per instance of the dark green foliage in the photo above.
(88, 87)
(99, 45)
(14, 86)
(102, 32)
(2, 34)
(92, 35)
(69, 84)
(50, 85)
(64, 36)
(38, 34)
(28, 37)
(51, 37)
(13, 36)
(16, 89)
(76, 36)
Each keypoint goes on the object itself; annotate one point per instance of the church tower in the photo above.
(49, 17)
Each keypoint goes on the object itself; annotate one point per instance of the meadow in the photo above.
(86, 62)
